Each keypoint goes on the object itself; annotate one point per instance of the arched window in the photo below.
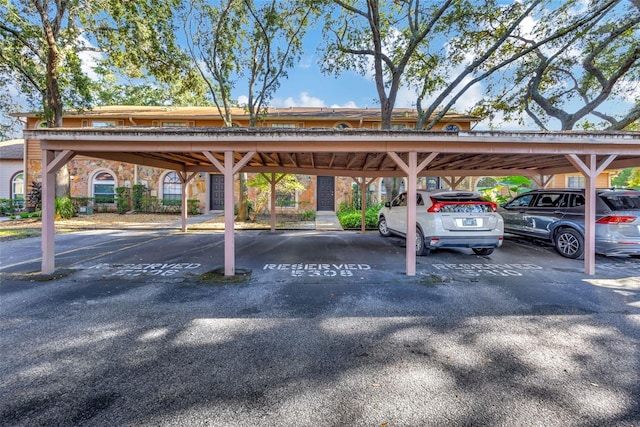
(17, 187)
(171, 187)
(103, 186)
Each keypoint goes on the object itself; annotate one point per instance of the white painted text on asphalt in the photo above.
(148, 269)
(318, 270)
(487, 269)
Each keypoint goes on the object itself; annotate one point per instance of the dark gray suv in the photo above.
(557, 215)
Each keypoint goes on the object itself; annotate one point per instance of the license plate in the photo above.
(469, 222)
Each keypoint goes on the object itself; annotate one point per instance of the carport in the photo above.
(363, 154)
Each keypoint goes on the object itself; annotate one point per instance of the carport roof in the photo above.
(347, 152)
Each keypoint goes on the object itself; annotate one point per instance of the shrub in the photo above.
(122, 200)
(64, 208)
(193, 206)
(308, 215)
(352, 218)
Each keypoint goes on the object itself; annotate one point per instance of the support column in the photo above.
(272, 197)
(453, 181)
(48, 213)
(229, 225)
(412, 169)
(590, 169)
(51, 164)
(363, 200)
(184, 208)
(411, 212)
(229, 169)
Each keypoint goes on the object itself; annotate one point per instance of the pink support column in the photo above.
(412, 186)
(590, 217)
(590, 170)
(229, 225)
(272, 202)
(48, 213)
(184, 206)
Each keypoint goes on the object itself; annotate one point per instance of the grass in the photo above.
(15, 234)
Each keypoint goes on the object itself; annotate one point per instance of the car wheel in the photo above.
(421, 249)
(569, 243)
(382, 227)
(483, 251)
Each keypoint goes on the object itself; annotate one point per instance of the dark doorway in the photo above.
(216, 202)
(326, 193)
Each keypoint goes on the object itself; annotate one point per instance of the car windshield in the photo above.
(622, 202)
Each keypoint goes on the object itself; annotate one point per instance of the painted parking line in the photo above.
(85, 249)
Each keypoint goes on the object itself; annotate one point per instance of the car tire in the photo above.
(382, 227)
(569, 243)
(483, 251)
(421, 248)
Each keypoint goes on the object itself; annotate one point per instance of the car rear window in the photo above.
(448, 207)
(622, 202)
(461, 204)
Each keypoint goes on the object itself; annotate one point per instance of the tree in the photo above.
(245, 41)
(580, 74)
(439, 48)
(41, 44)
(629, 177)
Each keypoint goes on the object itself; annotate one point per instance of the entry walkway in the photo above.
(327, 221)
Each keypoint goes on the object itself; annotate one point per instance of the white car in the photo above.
(446, 219)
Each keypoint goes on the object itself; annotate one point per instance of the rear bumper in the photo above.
(463, 242)
(609, 248)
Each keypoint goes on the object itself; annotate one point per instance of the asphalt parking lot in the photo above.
(325, 329)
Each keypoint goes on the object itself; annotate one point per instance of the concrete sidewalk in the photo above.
(328, 221)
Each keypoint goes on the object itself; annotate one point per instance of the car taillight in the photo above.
(439, 206)
(616, 219)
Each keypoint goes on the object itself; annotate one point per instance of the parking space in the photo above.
(327, 329)
(299, 257)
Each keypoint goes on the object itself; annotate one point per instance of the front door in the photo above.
(326, 193)
(216, 201)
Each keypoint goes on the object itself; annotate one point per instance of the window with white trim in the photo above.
(283, 125)
(171, 187)
(103, 187)
(17, 187)
(103, 124)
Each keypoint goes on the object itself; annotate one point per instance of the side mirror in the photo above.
(387, 204)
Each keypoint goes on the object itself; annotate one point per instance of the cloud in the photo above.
(89, 59)
(306, 100)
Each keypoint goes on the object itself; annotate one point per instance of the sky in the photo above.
(307, 86)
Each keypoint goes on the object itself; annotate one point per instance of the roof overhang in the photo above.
(347, 152)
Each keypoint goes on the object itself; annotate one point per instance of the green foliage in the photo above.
(137, 195)
(123, 196)
(34, 197)
(286, 184)
(352, 218)
(308, 215)
(64, 208)
(506, 188)
(7, 206)
(193, 206)
(627, 178)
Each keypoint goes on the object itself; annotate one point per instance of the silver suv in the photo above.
(557, 215)
(445, 219)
